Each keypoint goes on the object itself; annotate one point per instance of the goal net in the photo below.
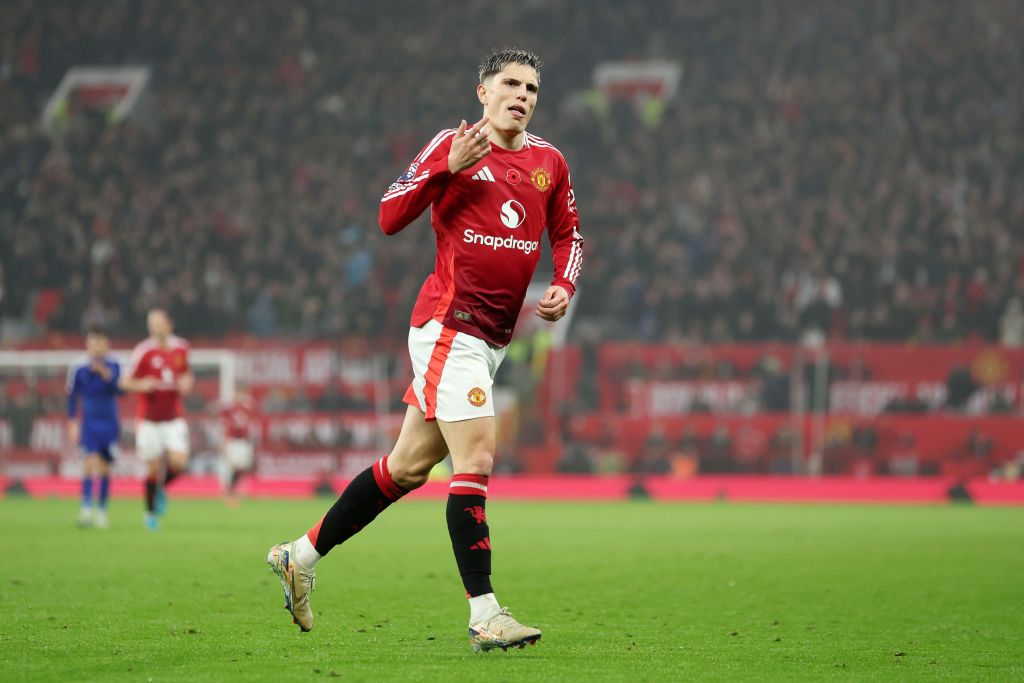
(33, 411)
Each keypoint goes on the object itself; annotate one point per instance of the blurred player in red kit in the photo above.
(493, 190)
(159, 369)
(236, 420)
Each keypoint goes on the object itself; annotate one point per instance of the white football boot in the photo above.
(297, 582)
(501, 630)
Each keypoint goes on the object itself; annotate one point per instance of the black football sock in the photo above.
(365, 497)
(467, 526)
(150, 494)
(170, 475)
(233, 484)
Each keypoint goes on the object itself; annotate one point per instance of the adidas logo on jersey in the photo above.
(484, 174)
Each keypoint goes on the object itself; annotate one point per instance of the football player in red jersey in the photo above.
(493, 190)
(159, 370)
(236, 420)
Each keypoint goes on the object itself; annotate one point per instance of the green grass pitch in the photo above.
(627, 591)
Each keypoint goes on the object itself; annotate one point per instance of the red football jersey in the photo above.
(166, 364)
(236, 418)
(488, 221)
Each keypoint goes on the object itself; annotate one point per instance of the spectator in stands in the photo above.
(1001, 403)
(775, 386)
(865, 451)
(1013, 470)
(837, 453)
(782, 446)
(750, 450)
(654, 458)
(575, 460)
(972, 459)
(508, 462)
(848, 168)
(608, 453)
(880, 208)
(359, 399)
(331, 399)
(910, 404)
(20, 414)
(275, 401)
(904, 461)
(1011, 325)
(716, 456)
(960, 388)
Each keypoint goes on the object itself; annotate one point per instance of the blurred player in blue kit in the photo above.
(96, 383)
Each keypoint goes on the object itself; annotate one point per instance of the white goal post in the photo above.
(222, 360)
(45, 373)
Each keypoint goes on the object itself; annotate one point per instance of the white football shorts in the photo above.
(238, 453)
(153, 439)
(453, 373)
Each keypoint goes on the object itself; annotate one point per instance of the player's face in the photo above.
(97, 345)
(159, 324)
(509, 97)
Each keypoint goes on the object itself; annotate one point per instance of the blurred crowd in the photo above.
(826, 168)
(852, 451)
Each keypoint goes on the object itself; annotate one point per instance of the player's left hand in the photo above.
(553, 304)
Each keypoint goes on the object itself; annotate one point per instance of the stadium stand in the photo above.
(868, 195)
(824, 172)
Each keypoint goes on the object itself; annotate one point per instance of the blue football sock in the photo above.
(86, 492)
(104, 491)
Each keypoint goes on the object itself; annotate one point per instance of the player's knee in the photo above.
(409, 475)
(480, 462)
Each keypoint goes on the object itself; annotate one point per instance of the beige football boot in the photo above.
(297, 583)
(502, 631)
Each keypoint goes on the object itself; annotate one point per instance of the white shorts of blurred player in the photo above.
(154, 439)
(238, 454)
(453, 373)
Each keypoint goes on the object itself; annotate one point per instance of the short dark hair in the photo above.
(97, 330)
(497, 59)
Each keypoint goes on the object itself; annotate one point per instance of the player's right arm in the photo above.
(186, 380)
(450, 152)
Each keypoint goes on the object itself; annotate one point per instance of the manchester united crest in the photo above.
(477, 397)
(541, 179)
(990, 367)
